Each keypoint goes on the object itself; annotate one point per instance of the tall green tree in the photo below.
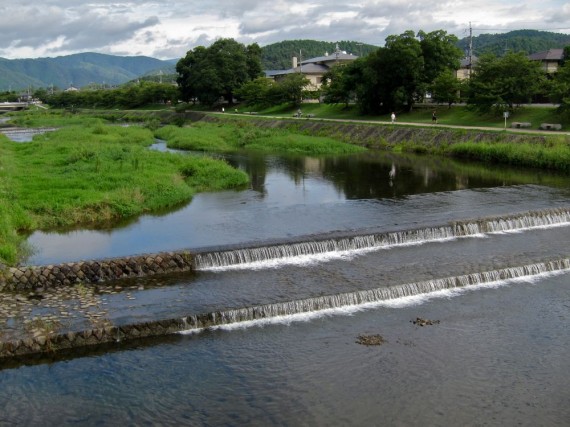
(397, 75)
(560, 89)
(446, 88)
(504, 83)
(208, 74)
(440, 53)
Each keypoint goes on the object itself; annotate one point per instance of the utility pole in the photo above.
(470, 49)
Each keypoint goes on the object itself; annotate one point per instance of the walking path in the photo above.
(416, 124)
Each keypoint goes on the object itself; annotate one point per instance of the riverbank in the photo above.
(545, 150)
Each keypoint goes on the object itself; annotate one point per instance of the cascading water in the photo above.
(247, 256)
(361, 298)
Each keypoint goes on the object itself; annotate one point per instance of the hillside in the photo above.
(528, 41)
(96, 69)
(277, 56)
(77, 70)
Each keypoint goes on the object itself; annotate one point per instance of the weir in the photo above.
(342, 302)
(244, 257)
(364, 297)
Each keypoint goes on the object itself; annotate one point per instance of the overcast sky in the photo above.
(167, 29)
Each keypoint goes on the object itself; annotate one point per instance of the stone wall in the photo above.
(97, 271)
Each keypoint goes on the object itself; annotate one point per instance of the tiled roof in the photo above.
(548, 55)
(332, 57)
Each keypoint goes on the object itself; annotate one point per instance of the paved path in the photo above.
(414, 124)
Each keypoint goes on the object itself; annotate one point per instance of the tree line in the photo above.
(407, 69)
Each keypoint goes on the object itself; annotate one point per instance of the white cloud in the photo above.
(32, 28)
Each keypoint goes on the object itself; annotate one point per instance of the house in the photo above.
(315, 68)
(550, 59)
(465, 67)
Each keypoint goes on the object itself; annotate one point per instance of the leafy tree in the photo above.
(560, 89)
(208, 74)
(256, 92)
(289, 89)
(440, 54)
(504, 83)
(339, 85)
(397, 75)
(446, 88)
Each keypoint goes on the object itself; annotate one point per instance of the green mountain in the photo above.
(528, 41)
(78, 70)
(277, 56)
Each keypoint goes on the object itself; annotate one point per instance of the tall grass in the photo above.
(231, 136)
(522, 154)
(95, 173)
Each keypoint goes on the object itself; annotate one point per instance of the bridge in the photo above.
(16, 106)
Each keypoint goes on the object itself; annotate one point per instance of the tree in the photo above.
(208, 74)
(560, 89)
(290, 89)
(396, 76)
(446, 88)
(338, 86)
(440, 53)
(504, 83)
(256, 92)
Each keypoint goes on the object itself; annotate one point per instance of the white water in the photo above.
(307, 253)
(348, 303)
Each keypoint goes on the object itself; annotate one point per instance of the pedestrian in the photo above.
(434, 117)
(393, 117)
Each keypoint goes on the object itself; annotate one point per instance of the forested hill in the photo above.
(78, 70)
(277, 56)
(528, 41)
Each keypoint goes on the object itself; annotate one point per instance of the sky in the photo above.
(167, 29)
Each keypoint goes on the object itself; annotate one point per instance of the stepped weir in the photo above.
(246, 257)
(191, 319)
(342, 302)
(364, 298)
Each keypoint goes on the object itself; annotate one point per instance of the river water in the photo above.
(497, 353)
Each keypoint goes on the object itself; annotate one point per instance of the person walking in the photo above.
(393, 117)
(434, 117)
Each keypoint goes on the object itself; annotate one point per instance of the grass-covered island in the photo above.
(89, 171)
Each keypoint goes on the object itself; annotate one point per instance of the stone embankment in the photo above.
(97, 271)
(385, 135)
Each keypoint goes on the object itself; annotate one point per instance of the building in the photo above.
(315, 68)
(550, 59)
(465, 67)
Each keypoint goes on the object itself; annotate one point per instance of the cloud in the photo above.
(32, 28)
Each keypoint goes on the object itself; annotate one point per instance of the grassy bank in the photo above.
(95, 173)
(232, 135)
(421, 114)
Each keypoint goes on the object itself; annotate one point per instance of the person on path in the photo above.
(434, 117)
(393, 117)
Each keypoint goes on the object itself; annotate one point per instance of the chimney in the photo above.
(294, 62)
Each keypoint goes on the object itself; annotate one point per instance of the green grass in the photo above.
(454, 116)
(230, 136)
(90, 174)
(533, 155)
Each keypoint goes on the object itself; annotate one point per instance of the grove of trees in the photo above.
(395, 76)
(133, 95)
(207, 74)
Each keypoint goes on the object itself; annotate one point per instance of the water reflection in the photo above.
(296, 195)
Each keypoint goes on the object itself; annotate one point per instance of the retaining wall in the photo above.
(97, 271)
